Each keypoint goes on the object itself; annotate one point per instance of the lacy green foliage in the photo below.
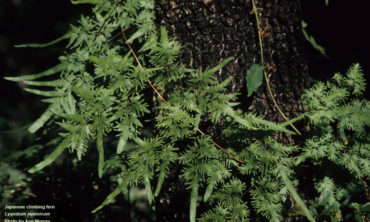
(153, 107)
(328, 201)
(265, 162)
(334, 200)
(230, 206)
(341, 122)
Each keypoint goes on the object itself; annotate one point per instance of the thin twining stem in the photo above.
(264, 71)
(165, 101)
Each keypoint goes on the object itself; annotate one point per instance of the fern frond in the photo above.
(356, 80)
(52, 156)
(48, 72)
(41, 121)
(166, 157)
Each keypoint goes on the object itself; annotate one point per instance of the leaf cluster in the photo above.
(340, 121)
(119, 80)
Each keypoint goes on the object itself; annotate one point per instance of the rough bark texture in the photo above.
(213, 30)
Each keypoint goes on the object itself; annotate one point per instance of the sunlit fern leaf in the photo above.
(52, 156)
(166, 157)
(55, 83)
(122, 142)
(355, 79)
(148, 188)
(193, 199)
(44, 93)
(115, 192)
(41, 121)
(48, 72)
(99, 146)
(294, 193)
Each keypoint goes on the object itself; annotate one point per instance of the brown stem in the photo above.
(264, 71)
(124, 29)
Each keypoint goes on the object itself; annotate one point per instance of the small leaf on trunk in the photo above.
(254, 78)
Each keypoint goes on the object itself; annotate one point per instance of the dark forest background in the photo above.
(341, 28)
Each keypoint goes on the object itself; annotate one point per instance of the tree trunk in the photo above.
(213, 30)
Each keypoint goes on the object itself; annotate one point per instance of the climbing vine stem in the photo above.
(255, 11)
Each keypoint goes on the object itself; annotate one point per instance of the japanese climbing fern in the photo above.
(120, 80)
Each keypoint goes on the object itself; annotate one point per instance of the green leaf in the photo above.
(326, 2)
(99, 146)
(312, 40)
(44, 93)
(48, 72)
(161, 176)
(291, 121)
(273, 126)
(121, 143)
(193, 199)
(136, 35)
(325, 197)
(150, 43)
(209, 190)
(112, 195)
(167, 156)
(296, 197)
(254, 78)
(218, 67)
(84, 93)
(148, 189)
(41, 121)
(238, 118)
(42, 45)
(52, 156)
(164, 36)
(304, 24)
(58, 82)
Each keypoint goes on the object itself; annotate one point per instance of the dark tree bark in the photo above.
(213, 30)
